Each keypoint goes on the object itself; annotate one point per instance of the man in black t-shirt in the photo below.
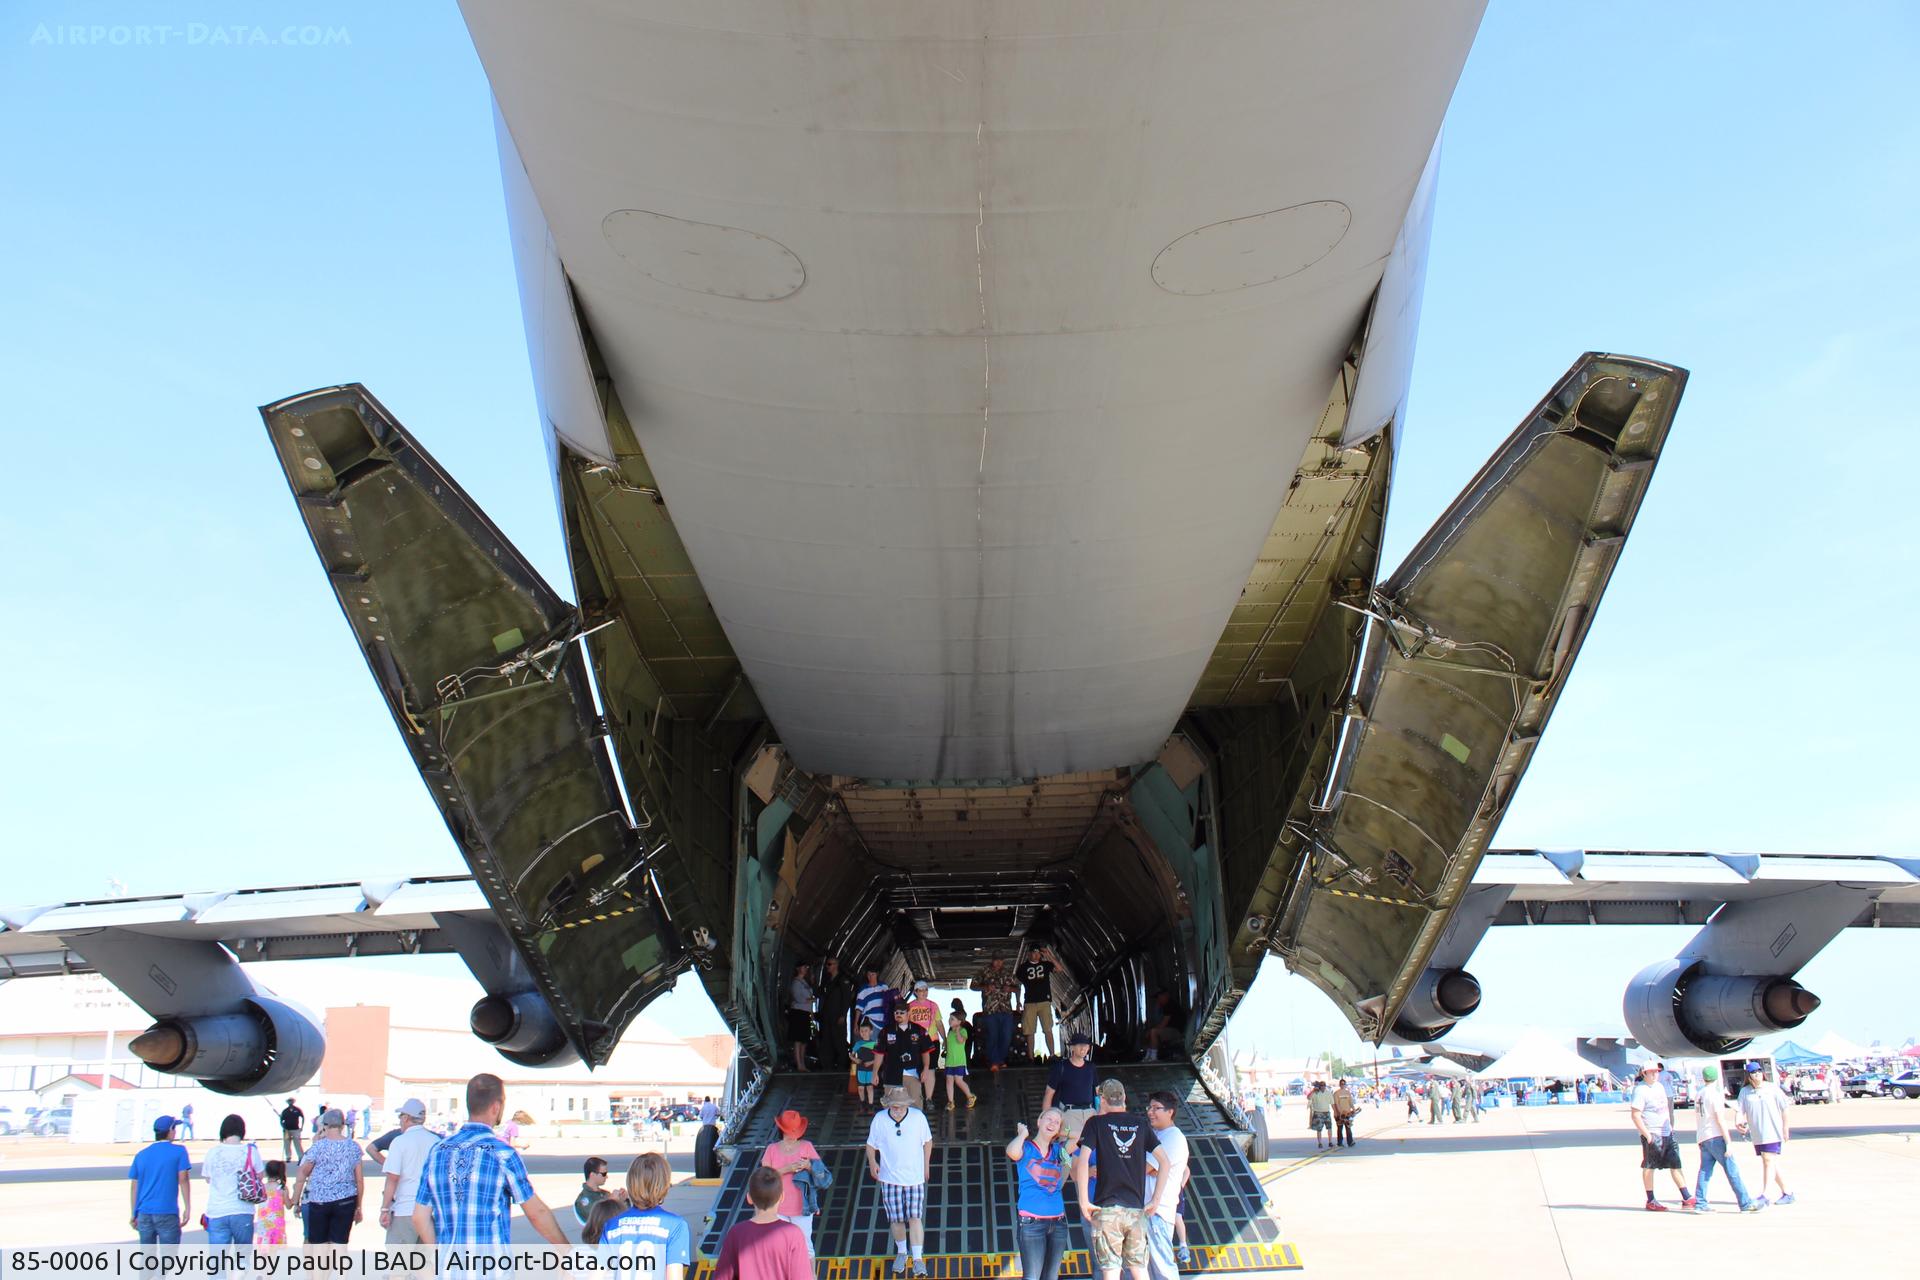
(904, 1052)
(1070, 1085)
(1036, 995)
(1116, 1219)
(292, 1121)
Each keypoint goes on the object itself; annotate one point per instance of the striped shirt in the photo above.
(470, 1183)
(872, 1003)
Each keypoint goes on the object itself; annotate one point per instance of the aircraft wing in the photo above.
(1614, 886)
(476, 657)
(394, 917)
(389, 917)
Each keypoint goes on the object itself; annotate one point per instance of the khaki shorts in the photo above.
(1040, 1011)
(1072, 1120)
(1119, 1238)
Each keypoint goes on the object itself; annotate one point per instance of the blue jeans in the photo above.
(999, 1038)
(1714, 1151)
(1161, 1262)
(330, 1221)
(1043, 1241)
(232, 1228)
(157, 1228)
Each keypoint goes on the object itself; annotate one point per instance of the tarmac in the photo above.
(1540, 1191)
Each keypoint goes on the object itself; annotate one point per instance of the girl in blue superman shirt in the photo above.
(1042, 1161)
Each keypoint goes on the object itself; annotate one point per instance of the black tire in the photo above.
(706, 1159)
(1257, 1146)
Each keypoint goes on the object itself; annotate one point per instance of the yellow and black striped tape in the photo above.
(1373, 897)
(613, 914)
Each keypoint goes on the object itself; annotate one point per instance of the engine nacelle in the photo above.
(268, 1047)
(1440, 998)
(521, 1026)
(1676, 1009)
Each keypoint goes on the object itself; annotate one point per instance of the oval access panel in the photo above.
(727, 262)
(1258, 249)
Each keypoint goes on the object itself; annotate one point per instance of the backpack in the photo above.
(248, 1185)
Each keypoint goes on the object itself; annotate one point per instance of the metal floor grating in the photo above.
(971, 1193)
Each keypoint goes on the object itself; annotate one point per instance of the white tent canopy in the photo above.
(1538, 1056)
(1841, 1049)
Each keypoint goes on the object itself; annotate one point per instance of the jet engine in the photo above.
(521, 1026)
(267, 1047)
(1676, 1009)
(1440, 998)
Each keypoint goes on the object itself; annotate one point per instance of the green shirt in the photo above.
(956, 1047)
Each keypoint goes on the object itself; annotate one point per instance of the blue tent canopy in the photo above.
(1790, 1054)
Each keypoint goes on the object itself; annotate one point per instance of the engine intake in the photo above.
(1676, 1009)
(267, 1047)
(1440, 998)
(521, 1026)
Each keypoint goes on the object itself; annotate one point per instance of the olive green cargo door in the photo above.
(476, 656)
(1470, 643)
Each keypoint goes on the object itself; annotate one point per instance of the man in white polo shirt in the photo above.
(406, 1156)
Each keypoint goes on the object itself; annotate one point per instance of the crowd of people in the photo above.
(1759, 1112)
(886, 1036)
(1125, 1170)
(903, 1037)
(459, 1189)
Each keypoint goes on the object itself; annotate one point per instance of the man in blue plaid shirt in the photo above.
(472, 1180)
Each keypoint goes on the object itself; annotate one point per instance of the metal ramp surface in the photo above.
(971, 1187)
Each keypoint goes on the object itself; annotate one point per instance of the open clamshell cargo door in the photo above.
(1468, 646)
(478, 660)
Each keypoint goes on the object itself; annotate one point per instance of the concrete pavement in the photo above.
(1543, 1191)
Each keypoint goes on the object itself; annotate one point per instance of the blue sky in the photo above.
(199, 224)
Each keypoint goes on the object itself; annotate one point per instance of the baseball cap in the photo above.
(1751, 1066)
(415, 1108)
(163, 1124)
(921, 985)
(1113, 1092)
(1709, 1073)
(1648, 1066)
(1079, 1037)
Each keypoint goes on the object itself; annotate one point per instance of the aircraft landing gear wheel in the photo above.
(706, 1160)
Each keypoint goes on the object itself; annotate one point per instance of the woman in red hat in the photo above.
(792, 1154)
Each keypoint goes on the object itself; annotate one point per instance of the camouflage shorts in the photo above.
(1119, 1238)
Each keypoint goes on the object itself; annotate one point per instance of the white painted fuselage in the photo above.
(973, 344)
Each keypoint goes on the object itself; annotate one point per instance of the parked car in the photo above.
(8, 1122)
(1814, 1086)
(55, 1122)
(1868, 1084)
(1905, 1085)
